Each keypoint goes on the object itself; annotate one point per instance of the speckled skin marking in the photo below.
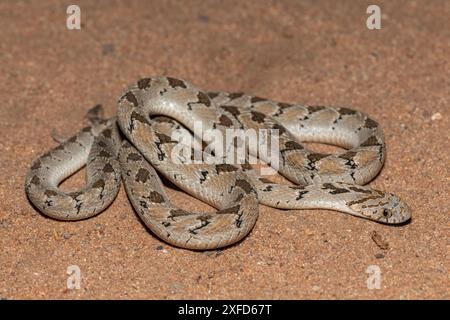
(97, 146)
(235, 218)
(322, 180)
(328, 181)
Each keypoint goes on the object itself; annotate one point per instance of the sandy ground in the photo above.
(317, 52)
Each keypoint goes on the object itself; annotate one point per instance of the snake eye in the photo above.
(386, 213)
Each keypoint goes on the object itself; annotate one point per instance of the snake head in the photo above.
(384, 207)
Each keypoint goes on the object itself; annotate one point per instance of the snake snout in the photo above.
(395, 211)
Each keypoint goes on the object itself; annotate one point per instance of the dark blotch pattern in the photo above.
(138, 117)
(134, 157)
(370, 123)
(225, 168)
(50, 193)
(235, 95)
(372, 141)
(313, 157)
(205, 221)
(312, 109)
(244, 185)
(35, 180)
(283, 105)
(203, 177)
(212, 95)
(131, 98)
(179, 212)
(163, 138)
(350, 161)
(335, 190)
(296, 187)
(143, 83)
(100, 184)
(104, 154)
(108, 168)
(156, 197)
(345, 111)
(257, 99)
(174, 83)
(74, 195)
(348, 155)
(36, 165)
(142, 175)
(301, 194)
(204, 99)
(280, 128)
(356, 189)
(143, 204)
(258, 116)
(232, 109)
(232, 210)
(225, 121)
(292, 145)
(107, 133)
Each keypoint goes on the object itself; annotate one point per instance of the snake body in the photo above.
(148, 114)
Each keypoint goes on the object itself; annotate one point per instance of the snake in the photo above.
(139, 147)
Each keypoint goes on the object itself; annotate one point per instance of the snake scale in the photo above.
(139, 142)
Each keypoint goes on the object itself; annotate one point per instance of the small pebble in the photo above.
(67, 235)
(379, 256)
(5, 224)
(436, 116)
(107, 48)
(203, 18)
(176, 286)
(379, 241)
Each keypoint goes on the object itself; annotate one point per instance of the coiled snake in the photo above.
(148, 114)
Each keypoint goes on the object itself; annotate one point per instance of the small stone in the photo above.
(175, 286)
(203, 18)
(436, 116)
(379, 256)
(159, 247)
(379, 241)
(67, 235)
(123, 216)
(316, 288)
(108, 48)
(4, 223)
(426, 113)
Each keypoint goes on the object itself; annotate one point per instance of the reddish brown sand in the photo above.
(317, 52)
